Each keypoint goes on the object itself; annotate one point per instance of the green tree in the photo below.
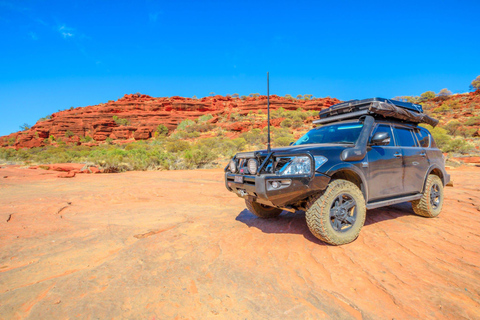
(25, 126)
(475, 85)
(444, 93)
(427, 95)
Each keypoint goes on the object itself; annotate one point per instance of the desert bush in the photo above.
(177, 146)
(452, 126)
(82, 139)
(69, 134)
(282, 141)
(25, 126)
(475, 121)
(205, 118)
(444, 93)
(446, 143)
(427, 95)
(198, 156)
(287, 123)
(475, 84)
(162, 130)
(121, 121)
(48, 117)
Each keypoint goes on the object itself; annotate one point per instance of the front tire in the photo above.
(431, 203)
(337, 216)
(262, 211)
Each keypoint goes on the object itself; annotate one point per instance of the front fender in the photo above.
(348, 166)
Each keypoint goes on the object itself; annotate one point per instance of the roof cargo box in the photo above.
(358, 105)
(378, 107)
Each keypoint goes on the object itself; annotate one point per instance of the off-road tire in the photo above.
(318, 214)
(424, 206)
(262, 211)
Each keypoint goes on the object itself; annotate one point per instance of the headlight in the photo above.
(302, 165)
(233, 166)
(252, 165)
(299, 165)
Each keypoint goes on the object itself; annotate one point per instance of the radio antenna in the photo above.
(268, 113)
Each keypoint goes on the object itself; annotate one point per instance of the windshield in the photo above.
(336, 133)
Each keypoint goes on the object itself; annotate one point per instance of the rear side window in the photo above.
(423, 137)
(385, 128)
(404, 137)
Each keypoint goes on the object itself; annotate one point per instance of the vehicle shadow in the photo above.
(295, 223)
(287, 222)
(388, 213)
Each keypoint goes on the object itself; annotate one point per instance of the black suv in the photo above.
(365, 154)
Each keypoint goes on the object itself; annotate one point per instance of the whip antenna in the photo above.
(268, 113)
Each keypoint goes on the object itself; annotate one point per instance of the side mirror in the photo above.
(381, 139)
(291, 143)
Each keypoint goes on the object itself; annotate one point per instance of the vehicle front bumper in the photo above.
(258, 187)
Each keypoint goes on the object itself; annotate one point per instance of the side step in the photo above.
(378, 204)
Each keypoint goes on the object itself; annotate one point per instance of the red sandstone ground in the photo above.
(178, 245)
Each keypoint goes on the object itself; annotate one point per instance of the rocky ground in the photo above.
(178, 245)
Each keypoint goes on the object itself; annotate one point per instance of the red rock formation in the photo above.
(137, 117)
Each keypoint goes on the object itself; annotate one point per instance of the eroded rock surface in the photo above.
(177, 245)
(138, 116)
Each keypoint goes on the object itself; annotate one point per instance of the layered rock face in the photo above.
(138, 116)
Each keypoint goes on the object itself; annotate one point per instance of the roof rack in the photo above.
(387, 108)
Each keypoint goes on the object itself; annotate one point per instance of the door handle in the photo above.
(397, 154)
(423, 154)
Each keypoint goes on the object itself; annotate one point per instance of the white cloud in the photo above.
(66, 32)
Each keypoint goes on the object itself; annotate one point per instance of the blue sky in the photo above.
(59, 54)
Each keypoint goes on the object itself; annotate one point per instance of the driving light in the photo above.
(233, 166)
(299, 165)
(252, 165)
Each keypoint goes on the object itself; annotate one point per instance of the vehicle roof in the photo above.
(377, 120)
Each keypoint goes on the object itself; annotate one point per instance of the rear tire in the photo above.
(431, 203)
(337, 216)
(262, 211)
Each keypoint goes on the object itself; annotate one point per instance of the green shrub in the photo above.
(162, 130)
(82, 139)
(452, 126)
(69, 134)
(287, 123)
(198, 156)
(121, 121)
(185, 123)
(282, 141)
(205, 118)
(177, 146)
(475, 121)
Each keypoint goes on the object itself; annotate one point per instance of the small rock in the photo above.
(66, 175)
(450, 184)
(94, 170)
(478, 208)
(5, 177)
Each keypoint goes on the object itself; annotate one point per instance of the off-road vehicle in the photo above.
(363, 154)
